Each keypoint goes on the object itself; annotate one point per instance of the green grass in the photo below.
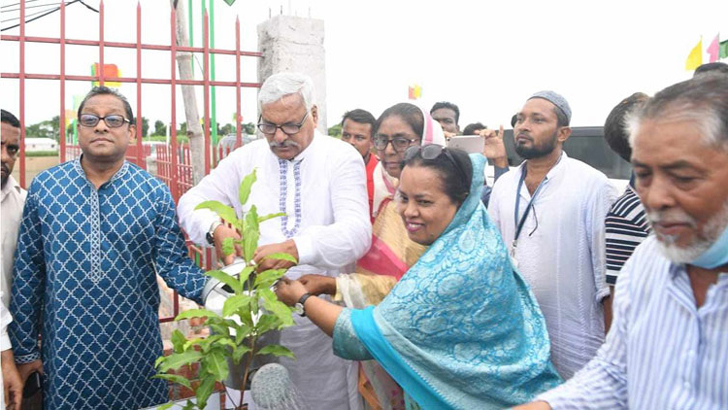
(41, 153)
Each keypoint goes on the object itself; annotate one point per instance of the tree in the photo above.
(227, 129)
(160, 128)
(145, 126)
(335, 131)
(44, 129)
(248, 128)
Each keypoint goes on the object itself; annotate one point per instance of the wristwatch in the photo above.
(210, 235)
(299, 305)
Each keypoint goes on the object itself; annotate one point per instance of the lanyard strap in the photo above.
(519, 224)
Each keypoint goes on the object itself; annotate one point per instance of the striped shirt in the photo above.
(662, 352)
(626, 227)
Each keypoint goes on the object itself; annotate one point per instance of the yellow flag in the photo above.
(695, 58)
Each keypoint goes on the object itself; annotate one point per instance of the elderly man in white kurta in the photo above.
(320, 183)
(550, 211)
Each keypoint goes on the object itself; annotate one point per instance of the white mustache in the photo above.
(284, 144)
(671, 217)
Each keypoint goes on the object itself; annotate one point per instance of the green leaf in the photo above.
(195, 341)
(245, 187)
(226, 342)
(234, 303)
(159, 360)
(264, 218)
(193, 313)
(178, 341)
(277, 350)
(282, 256)
(226, 279)
(266, 323)
(265, 279)
(241, 332)
(165, 406)
(228, 246)
(239, 352)
(174, 378)
(251, 233)
(245, 274)
(221, 330)
(223, 211)
(279, 309)
(217, 364)
(204, 391)
(177, 360)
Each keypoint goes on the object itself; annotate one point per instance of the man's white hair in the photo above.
(279, 85)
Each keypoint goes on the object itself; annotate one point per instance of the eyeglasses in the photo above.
(398, 143)
(432, 151)
(112, 121)
(288, 129)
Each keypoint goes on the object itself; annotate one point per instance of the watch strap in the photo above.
(302, 301)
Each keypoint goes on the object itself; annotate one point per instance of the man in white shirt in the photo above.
(320, 183)
(667, 346)
(550, 211)
(12, 199)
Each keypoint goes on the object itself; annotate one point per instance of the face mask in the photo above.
(716, 255)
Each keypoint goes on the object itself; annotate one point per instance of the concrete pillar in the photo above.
(295, 44)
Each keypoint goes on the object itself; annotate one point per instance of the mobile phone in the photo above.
(472, 144)
(32, 385)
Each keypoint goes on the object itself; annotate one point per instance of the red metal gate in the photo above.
(176, 169)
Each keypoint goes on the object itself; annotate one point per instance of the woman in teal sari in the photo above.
(461, 329)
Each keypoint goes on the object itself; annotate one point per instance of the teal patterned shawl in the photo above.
(462, 329)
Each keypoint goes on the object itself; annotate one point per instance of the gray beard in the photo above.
(713, 229)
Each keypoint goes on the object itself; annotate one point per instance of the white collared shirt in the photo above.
(12, 200)
(561, 253)
(662, 351)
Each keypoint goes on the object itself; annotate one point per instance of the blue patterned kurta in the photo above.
(85, 269)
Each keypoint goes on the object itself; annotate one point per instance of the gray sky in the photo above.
(487, 57)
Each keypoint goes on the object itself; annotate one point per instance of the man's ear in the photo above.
(132, 132)
(564, 134)
(314, 115)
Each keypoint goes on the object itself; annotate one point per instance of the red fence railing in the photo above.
(173, 162)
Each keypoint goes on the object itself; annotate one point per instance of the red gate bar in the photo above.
(62, 129)
(100, 73)
(21, 84)
(141, 157)
(206, 90)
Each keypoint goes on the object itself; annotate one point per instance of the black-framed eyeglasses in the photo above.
(432, 151)
(399, 143)
(112, 121)
(288, 128)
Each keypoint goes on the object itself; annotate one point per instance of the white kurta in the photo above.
(561, 253)
(323, 192)
(12, 200)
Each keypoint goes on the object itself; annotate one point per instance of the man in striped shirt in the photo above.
(667, 346)
(626, 223)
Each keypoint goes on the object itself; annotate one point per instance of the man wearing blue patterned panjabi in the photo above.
(94, 233)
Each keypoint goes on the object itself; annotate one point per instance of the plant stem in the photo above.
(253, 339)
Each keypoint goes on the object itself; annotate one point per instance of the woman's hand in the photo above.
(319, 284)
(289, 291)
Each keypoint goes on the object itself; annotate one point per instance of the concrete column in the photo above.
(295, 44)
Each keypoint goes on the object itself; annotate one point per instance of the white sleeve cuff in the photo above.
(5, 342)
(305, 249)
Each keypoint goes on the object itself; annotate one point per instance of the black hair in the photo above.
(360, 116)
(514, 120)
(449, 106)
(410, 113)
(615, 127)
(471, 129)
(453, 184)
(9, 118)
(103, 90)
(561, 119)
(716, 67)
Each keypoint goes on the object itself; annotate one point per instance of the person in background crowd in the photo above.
(626, 223)
(461, 329)
(448, 115)
(550, 211)
(667, 345)
(12, 201)
(319, 182)
(95, 233)
(357, 127)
